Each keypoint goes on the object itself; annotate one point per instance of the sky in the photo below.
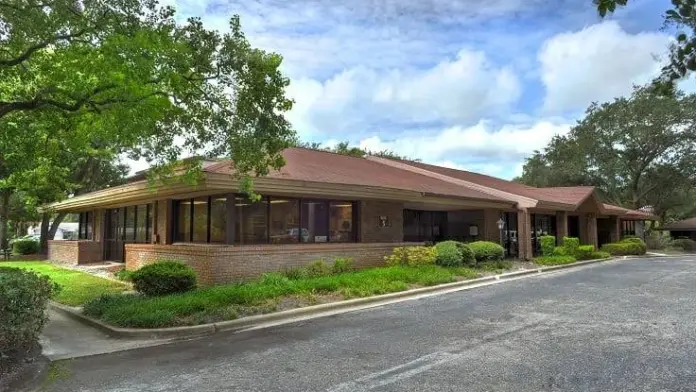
(476, 85)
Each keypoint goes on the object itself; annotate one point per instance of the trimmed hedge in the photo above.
(487, 251)
(584, 252)
(559, 251)
(599, 255)
(571, 245)
(627, 247)
(164, 277)
(548, 244)
(448, 254)
(23, 299)
(468, 256)
(412, 256)
(25, 246)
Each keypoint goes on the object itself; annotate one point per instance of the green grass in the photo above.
(76, 287)
(555, 260)
(228, 301)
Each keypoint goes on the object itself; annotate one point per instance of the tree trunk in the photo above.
(43, 241)
(4, 215)
(56, 222)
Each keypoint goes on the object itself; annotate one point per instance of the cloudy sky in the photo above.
(470, 84)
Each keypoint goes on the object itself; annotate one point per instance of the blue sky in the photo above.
(470, 84)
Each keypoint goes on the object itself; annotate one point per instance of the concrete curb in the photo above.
(328, 308)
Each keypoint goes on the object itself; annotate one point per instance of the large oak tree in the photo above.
(100, 77)
(638, 150)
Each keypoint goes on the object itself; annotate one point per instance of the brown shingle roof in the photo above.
(686, 225)
(320, 166)
(565, 195)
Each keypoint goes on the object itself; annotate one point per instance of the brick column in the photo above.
(615, 233)
(561, 226)
(524, 234)
(591, 229)
(490, 225)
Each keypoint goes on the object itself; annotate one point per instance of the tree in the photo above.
(121, 76)
(638, 150)
(683, 17)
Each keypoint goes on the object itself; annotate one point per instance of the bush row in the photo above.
(447, 254)
(25, 246)
(626, 247)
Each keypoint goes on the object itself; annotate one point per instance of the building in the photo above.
(682, 229)
(65, 231)
(322, 205)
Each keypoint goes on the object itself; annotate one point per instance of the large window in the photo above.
(251, 221)
(285, 221)
(341, 221)
(143, 224)
(420, 226)
(84, 230)
(275, 220)
(218, 220)
(628, 228)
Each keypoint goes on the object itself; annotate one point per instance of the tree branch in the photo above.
(32, 49)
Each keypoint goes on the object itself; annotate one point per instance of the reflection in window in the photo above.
(200, 219)
(84, 226)
(183, 222)
(285, 221)
(251, 221)
(341, 221)
(141, 224)
(218, 220)
(315, 220)
(130, 224)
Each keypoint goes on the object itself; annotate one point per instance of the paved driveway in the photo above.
(619, 326)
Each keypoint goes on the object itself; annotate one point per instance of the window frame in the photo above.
(231, 224)
(85, 220)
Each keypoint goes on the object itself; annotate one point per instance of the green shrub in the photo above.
(468, 256)
(559, 251)
(317, 268)
(685, 244)
(659, 241)
(25, 246)
(294, 273)
(599, 255)
(625, 248)
(23, 299)
(342, 264)
(448, 254)
(487, 251)
(571, 245)
(636, 240)
(412, 256)
(584, 252)
(548, 243)
(164, 277)
(124, 275)
(554, 260)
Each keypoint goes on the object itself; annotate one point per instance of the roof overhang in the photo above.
(214, 183)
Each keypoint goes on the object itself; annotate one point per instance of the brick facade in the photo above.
(224, 264)
(491, 232)
(524, 234)
(615, 233)
(591, 229)
(370, 230)
(74, 252)
(561, 226)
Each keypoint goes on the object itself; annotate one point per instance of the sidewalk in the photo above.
(65, 338)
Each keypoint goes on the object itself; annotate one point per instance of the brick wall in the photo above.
(524, 234)
(591, 229)
(370, 230)
(222, 264)
(491, 232)
(74, 252)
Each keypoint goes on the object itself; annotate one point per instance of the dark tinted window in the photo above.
(251, 220)
(183, 221)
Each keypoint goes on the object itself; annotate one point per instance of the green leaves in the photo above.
(638, 150)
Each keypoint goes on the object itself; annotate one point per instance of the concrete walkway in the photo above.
(65, 338)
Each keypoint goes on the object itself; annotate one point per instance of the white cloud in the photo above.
(456, 145)
(597, 63)
(465, 88)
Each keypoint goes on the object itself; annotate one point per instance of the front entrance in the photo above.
(113, 238)
(132, 224)
(603, 231)
(573, 226)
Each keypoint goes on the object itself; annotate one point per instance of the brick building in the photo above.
(322, 205)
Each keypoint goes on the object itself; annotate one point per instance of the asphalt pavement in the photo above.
(618, 326)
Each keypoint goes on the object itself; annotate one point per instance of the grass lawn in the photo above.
(267, 294)
(76, 287)
(555, 260)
